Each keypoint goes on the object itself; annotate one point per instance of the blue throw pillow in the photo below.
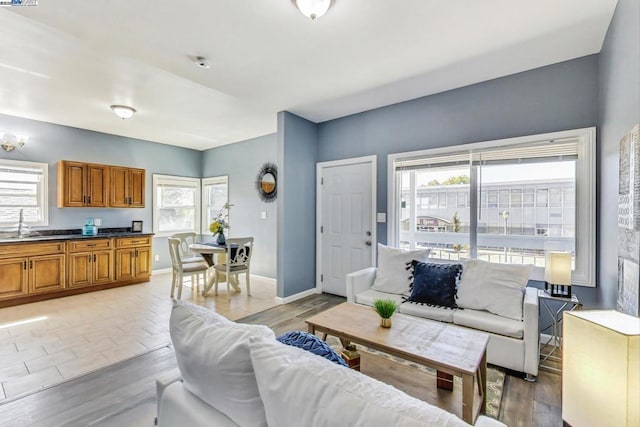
(434, 284)
(311, 343)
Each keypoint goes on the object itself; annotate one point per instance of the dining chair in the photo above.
(182, 269)
(239, 251)
(187, 254)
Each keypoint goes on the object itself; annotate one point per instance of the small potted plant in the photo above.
(385, 308)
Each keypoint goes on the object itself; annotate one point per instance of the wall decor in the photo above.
(267, 182)
(629, 224)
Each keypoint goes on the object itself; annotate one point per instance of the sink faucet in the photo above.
(23, 229)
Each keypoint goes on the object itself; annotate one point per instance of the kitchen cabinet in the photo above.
(82, 184)
(90, 262)
(133, 258)
(127, 187)
(31, 269)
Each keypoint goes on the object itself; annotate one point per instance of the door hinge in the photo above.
(321, 181)
(321, 229)
(322, 277)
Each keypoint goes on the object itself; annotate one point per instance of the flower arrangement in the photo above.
(220, 221)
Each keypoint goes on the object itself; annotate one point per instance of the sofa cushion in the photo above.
(498, 288)
(370, 295)
(213, 358)
(434, 313)
(302, 389)
(434, 283)
(488, 322)
(393, 275)
(311, 343)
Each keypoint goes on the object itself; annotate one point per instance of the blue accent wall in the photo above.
(50, 143)
(241, 162)
(619, 85)
(297, 157)
(553, 98)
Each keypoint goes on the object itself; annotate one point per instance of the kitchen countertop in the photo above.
(73, 236)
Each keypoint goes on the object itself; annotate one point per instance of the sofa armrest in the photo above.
(359, 281)
(531, 331)
(164, 381)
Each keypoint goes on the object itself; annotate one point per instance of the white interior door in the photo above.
(346, 223)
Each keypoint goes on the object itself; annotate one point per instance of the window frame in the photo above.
(42, 191)
(158, 179)
(204, 225)
(585, 224)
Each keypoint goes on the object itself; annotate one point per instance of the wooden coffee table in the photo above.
(447, 348)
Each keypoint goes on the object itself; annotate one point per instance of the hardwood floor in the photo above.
(96, 398)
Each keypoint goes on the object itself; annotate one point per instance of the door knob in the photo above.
(368, 243)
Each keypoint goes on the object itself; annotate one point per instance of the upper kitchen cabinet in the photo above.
(83, 185)
(94, 185)
(127, 187)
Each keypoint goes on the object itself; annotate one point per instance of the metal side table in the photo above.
(555, 340)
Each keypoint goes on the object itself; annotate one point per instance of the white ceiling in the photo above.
(66, 61)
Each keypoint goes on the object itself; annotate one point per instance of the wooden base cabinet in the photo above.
(133, 258)
(90, 262)
(29, 269)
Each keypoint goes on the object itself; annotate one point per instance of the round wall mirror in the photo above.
(267, 182)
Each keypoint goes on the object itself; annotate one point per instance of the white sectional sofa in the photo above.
(239, 375)
(513, 344)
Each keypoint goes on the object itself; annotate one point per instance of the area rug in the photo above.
(495, 375)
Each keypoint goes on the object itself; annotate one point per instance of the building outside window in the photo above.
(23, 186)
(526, 202)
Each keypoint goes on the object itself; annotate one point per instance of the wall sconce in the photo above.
(557, 274)
(9, 141)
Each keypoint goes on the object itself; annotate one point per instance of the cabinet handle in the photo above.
(88, 199)
(31, 264)
(94, 257)
(25, 265)
(136, 253)
(91, 245)
(84, 200)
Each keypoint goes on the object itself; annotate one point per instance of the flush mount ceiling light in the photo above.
(9, 141)
(313, 8)
(123, 111)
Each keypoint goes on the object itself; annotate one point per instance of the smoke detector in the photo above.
(202, 62)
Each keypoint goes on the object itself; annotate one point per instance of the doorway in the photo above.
(345, 227)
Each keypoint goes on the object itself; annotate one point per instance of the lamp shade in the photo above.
(557, 268)
(601, 369)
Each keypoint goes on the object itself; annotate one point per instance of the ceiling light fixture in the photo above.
(9, 141)
(123, 111)
(313, 8)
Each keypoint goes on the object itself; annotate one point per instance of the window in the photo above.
(526, 196)
(23, 186)
(215, 193)
(176, 204)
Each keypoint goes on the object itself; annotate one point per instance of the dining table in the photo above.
(207, 250)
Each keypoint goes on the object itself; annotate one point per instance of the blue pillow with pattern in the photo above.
(311, 343)
(434, 284)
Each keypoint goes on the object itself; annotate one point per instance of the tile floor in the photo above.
(68, 337)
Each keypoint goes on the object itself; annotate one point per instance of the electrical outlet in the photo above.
(97, 222)
(157, 258)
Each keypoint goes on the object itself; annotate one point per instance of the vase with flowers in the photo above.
(220, 222)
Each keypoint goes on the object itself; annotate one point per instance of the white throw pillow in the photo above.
(301, 389)
(497, 288)
(214, 360)
(393, 275)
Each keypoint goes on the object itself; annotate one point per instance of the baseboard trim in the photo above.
(295, 297)
(544, 338)
(265, 278)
